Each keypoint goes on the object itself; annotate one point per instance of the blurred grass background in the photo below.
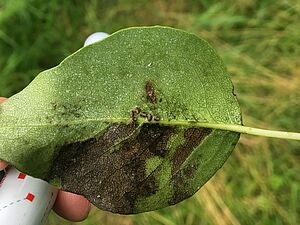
(259, 41)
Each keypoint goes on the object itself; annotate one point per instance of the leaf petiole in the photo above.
(230, 127)
(237, 128)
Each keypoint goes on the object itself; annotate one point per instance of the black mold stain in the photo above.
(104, 177)
(114, 180)
(193, 137)
(179, 176)
(179, 179)
(65, 111)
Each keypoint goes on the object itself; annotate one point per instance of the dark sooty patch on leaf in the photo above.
(150, 94)
(110, 170)
(105, 168)
(193, 137)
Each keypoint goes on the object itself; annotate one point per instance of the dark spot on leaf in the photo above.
(91, 167)
(110, 170)
(150, 95)
(233, 92)
(66, 111)
(193, 137)
(179, 180)
(2, 174)
(181, 174)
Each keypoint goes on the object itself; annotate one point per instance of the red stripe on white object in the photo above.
(30, 197)
(22, 176)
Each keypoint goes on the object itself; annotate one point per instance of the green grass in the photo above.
(260, 44)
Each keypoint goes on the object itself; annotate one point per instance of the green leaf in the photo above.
(127, 122)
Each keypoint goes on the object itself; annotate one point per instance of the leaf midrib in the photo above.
(188, 123)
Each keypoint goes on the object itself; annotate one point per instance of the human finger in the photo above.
(2, 99)
(71, 206)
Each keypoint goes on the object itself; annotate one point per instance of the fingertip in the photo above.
(71, 206)
(3, 165)
(2, 99)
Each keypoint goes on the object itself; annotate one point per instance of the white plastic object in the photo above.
(24, 200)
(98, 36)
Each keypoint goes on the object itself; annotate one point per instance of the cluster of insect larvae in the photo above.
(137, 112)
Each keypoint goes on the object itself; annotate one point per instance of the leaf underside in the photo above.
(93, 122)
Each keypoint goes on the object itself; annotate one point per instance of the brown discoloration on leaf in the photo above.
(92, 169)
(179, 180)
(193, 137)
(150, 94)
(110, 170)
(65, 111)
